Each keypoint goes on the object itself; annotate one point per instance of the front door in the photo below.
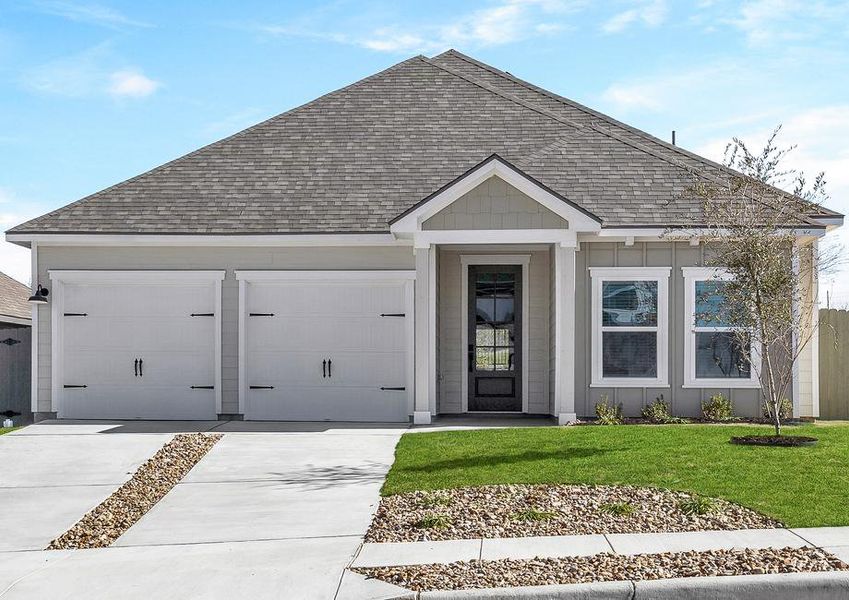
(495, 338)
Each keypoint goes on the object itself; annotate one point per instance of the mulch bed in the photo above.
(605, 567)
(502, 511)
(108, 520)
(787, 441)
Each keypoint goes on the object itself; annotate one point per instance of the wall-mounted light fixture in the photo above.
(40, 296)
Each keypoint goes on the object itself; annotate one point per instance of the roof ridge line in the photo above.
(504, 95)
(222, 140)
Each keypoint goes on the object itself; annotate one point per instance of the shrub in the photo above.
(718, 408)
(430, 500)
(785, 409)
(607, 412)
(658, 412)
(697, 505)
(433, 522)
(532, 514)
(620, 509)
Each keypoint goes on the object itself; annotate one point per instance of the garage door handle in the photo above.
(262, 387)
(393, 389)
(141, 362)
(324, 368)
(329, 368)
(136, 367)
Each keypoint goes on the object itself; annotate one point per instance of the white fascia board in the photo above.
(326, 276)
(141, 276)
(412, 222)
(329, 239)
(658, 234)
(564, 237)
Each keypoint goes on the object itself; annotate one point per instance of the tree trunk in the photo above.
(776, 417)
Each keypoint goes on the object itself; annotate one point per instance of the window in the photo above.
(714, 354)
(629, 326)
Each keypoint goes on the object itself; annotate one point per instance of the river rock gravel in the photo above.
(499, 511)
(108, 520)
(604, 567)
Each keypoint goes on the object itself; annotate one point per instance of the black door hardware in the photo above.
(324, 368)
(76, 314)
(141, 373)
(136, 367)
(393, 314)
(329, 367)
(202, 315)
(203, 387)
(393, 389)
(260, 314)
(471, 358)
(262, 387)
(10, 341)
(75, 386)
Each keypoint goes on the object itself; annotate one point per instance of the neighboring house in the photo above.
(438, 238)
(15, 349)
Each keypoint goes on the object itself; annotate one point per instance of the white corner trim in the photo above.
(691, 276)
(661, 276)
(34, 339)
(492, 259)
(577, 219)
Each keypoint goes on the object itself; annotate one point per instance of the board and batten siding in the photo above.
(203, 258)
(450, 369)
(683, 401)
(15, 364)
(495, 204)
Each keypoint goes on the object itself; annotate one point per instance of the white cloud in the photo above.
(775, 21)
(14, 260)
(131, 84)
(503, 23)
(89, 13)
(650, 13)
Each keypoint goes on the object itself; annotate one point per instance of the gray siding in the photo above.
(495, 204)
(204, 258)
(15, 369)
(683, 402)
(449, 335)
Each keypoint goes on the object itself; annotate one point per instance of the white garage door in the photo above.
(138, 350)
(328, 349)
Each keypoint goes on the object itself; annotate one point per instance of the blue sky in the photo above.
(92, 93)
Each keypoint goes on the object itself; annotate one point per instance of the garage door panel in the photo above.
(142, 333)
(325, 334)
(374, 369)
(140, 300)
(268, 367)
(103, 401)
(323, 403)
(326, 298)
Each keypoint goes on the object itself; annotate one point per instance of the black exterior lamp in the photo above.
(40, 296)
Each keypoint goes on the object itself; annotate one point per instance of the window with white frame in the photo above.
(715, 354)
(629, 326)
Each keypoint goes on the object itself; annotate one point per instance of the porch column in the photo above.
(425, 390)
(564, 341)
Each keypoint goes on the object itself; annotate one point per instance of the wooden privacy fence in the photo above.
(834, 363)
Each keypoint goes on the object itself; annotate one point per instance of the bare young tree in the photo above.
(761, 235)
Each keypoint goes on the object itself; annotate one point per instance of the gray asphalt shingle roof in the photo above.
(354, 159)
(13, 299)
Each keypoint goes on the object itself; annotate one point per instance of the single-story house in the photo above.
(438, 238)
(15, 350)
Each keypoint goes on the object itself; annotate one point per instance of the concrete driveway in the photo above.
(274, 510)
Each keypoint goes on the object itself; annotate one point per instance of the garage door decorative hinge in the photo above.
(203, 387)
(262, 387)
(393, 389)
(75, 386)
(202, 315)
(393, 314)
(260, 314)
(10, 341)
(76, 314)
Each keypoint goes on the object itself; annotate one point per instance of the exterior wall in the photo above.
(806, 391)
(683, 402)
(449, 365)
(257, 258)
(495, 204)
(15, 369)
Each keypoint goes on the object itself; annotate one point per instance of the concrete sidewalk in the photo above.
(832, 539)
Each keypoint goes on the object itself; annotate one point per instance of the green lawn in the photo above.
(6, 429)
(803, 487)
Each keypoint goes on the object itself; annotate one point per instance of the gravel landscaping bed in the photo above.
(108, 520)
(533, 510)
(604, 567)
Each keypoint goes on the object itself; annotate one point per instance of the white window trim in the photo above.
(691, 276)
(492, 259)
(659, 274)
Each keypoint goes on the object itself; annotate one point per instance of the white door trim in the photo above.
(402, 276)
(58, 280)
(492, 259)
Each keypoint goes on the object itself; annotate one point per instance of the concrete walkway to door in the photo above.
(275, 510)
